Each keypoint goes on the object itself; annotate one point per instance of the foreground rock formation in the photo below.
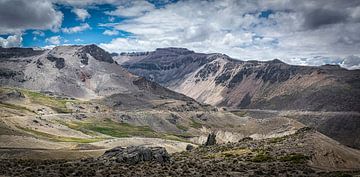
(306, 153)
(134, 154)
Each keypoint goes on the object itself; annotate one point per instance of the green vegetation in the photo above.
(175, 137)
(60, 138)
(195, 124)
(262, 156)
(240, 113)
(182, 127)
(57, 104)
(277, 139)
(16, 107)
(111, 128)
(295, 158)
(229, 153)
(120, 130)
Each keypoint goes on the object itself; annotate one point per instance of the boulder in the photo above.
(136, 154)
(189, 147)
(211, 140)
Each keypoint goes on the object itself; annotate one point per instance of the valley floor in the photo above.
(291, 155)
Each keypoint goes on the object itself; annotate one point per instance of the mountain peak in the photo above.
(276, 61)
(97, 52)
(18, 52)
(174, 50)
(331, 66)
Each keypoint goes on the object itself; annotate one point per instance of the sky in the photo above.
(306, 32)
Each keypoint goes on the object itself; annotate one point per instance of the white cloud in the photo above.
(11, 41)
(78, 40)
(76, 29)
(111, 32)
(81, 14)
(85, 3)
(351, 62)
(56, 40)
(290, 32)
(111, 19)
(19, 15)
(132, 9)
(38, 33)
(49, 46)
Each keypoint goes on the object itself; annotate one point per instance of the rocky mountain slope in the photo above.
(85, 72)
(54, 101)
(219, 80)
(76, 102)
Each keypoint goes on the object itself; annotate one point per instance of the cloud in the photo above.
(351, 62)
(19, 15)
(11, 41)
(78, 40)
(56, 40)
(292, 29)
(76, 29)
(132, 9)
(49, 47)
(38, 33)
(81, 14)
(111, 32)
(86, 3)
(111, 19)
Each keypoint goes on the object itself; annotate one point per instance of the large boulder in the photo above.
(211, 140)
(136, 154)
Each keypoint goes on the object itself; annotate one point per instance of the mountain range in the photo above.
(220, 80)
(80, 101)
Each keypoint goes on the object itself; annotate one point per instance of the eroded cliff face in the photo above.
(220, 80)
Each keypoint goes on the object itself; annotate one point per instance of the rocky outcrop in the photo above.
(96, 52)
(12, 95)
(16, 52)
(59, 62)
(211, 139)
(136, 154)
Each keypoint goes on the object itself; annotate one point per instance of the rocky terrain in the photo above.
(293, 155)
(220, 80)
(74, 111)
(78, 98)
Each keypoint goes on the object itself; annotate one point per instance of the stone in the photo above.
(136, 154)
(211, 140)
(189, 147)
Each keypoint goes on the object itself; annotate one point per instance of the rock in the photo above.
(136, 154)
(35, 121)
(211, 140)
(59, 62)
(189, 147)
(12, 95)
(80, 116)
(246, 139)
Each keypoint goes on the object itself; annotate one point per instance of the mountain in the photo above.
(77, 71)
(220, 80)
(77, 102)
(74, 94)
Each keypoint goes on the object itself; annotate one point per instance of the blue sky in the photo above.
(297, 32)
(91, 35)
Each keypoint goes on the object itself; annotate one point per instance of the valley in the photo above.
(73, 104)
